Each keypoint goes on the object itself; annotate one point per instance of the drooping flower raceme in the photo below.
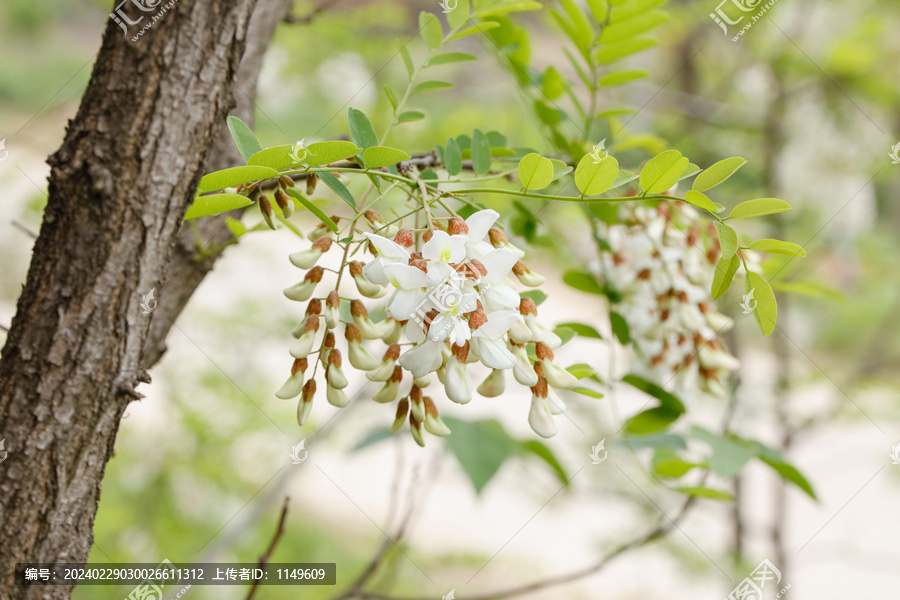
(450, 290)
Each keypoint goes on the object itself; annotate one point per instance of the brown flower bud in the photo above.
(457, 225)
(543, 351)
(265, 207)
(405, 238)
(311, 181)
(300, 364)
(497, 237)
(314, 307)
(314, 275)
(351, 332)
(286, 182)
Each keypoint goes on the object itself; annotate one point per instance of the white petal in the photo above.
(386, 247)
(499, 262)
(494, 354)
(500, 296)
(405, 276)
(436, 246)
(404, 304)
(540, 418)
(422, 359)
(457, 382)
(480, 223)
(498, 324)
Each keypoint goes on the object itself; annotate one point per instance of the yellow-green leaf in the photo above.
(430, 28)
(633, 26)
(450, 58)
(718, 173)
(479, 28)
(431, 86)
(759, 207)
(758, 295)
(594, 178)
(700, 201)
(382, 156)
(621, 77)
(778, 247)
(728, 239)
(725, 270)
(226, 178)
(313, 209)
(535, 171)
(611, 53)
(663, 171)
(205, 206)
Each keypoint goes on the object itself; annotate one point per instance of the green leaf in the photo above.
(725, 270)
(205, 206)
(594, 178)
(457, 17)
(700, 201)
(338, 188)
(620, 328)
(778, 247)
(611, 53)
(313, 209)
(691, 170)
(391, 97)
(718, 173)
(586, 392)
(244, 138)
(431, 86)
(548, 115)
(651, 421)
(667, 399)
(430, 29)
(663, 171)
(812, 289)
(599, 8)
(535, 171)
(479, 28)
(626, 9)
(788, 472)
(382, 156)
(236, 227)
(361, 129)
(410, 115)
(728, 239)
(584, 370)
(666, 463)
(759, 207)
(705, 492)
(542, 451)
(537, 295)
(554, 84)
(621, 77)
(450, 58)
(481, 153)
(226, 178)
(481, 447)
(633, 26)
(565, 334)
(658, 440)
(452, 157)
(324, 153)
(583, 330)
(730, 454)
(581, 280)
(560, 169)
(766, 311)
(407, 61)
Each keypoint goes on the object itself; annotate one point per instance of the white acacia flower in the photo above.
(441, 251)
(488, 343)
(408, 295)
(423, 358)
(389, 252)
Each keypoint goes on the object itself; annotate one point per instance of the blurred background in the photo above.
(202, 465)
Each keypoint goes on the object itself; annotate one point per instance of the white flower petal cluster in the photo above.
(663, 274)
(451, 295)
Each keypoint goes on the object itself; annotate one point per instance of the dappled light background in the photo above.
(809, 96)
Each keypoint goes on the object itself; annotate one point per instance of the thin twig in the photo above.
(264, 559)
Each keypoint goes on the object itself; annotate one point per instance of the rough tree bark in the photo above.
(149, 125)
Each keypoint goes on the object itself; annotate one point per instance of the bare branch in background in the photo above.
(264, 559)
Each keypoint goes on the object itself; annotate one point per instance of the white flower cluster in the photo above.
(453, 301)
(664, 279)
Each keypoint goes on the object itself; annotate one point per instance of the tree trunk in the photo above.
(149, 124)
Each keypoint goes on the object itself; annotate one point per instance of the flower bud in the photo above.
(294, 384)
(415, 427)
(265, 207)
(304, 290)
(303, 346)
(321, 230)
(457, 226)
(494, 385)
(433, 423)
(286, 182)
(365, 287)
(405, 238)
(526, 276)
(284, 203)
(385, 369)
(556, 376)
(519, 332)
(400, 418)
(327, 347)
(523, 371)
(335, 374)
(391, 389)
(367, 327)
(359, 357)
(416, 404)
(311, 180)
(422, 382)
(457, 382)
(336, 397)
(306, 259)
(375, 220)
(393, 336)
(305, 404)
(539, 416)
(332, 310)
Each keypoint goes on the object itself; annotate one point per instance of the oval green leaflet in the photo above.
(206, 206)
(226, 178)
(535, 171)
(593, 177)
(760, 300)
(759, 207)
(663, 171)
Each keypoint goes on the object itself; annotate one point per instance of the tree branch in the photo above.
(264, 559)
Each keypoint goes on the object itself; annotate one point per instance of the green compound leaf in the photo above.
(535, 171)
